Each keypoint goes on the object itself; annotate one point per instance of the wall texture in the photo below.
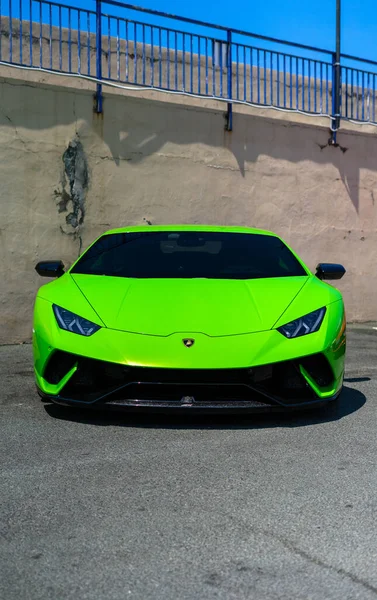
(68, 174)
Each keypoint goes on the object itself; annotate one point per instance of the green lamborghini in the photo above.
(189, 317)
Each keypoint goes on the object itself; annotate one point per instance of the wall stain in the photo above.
(332, 145)
(71, 196)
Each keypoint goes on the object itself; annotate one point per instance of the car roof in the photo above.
(215, 228)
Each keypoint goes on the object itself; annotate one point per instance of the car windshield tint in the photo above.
(189, 254)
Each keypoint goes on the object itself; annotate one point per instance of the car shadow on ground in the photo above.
(350, 401)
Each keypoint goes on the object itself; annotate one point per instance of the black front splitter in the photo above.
(174, 407)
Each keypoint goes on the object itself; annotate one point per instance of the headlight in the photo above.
(307, 324)
(71, 322)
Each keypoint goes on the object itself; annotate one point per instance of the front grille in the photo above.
(96, 379)
(206, 393)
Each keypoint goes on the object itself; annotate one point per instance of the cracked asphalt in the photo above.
(145, 507)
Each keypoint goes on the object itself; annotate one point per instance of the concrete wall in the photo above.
(68, 174)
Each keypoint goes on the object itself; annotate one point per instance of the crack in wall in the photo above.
(18, 136)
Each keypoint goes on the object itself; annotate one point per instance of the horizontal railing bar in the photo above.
(358, 59)
(59, 5)
(212, 26)
(204, 37)
(162, 27)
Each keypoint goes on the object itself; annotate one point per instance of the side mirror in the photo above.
(50, 268)
(329, 271)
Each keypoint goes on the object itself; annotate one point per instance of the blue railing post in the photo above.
(229, 118)
(99, 55)
(336, 82)
(336, 93)
(333, 99)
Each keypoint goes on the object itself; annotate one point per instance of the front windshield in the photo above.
(189, 254)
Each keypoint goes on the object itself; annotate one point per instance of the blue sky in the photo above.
(306, 22)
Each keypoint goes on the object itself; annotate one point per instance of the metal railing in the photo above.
(123, 44)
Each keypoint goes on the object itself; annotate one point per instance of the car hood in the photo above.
(210, 306)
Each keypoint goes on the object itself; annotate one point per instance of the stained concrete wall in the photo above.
(68, 174)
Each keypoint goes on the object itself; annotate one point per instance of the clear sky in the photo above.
(309, 22)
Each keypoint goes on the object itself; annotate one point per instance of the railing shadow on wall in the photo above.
(141, 127)
(121, 44)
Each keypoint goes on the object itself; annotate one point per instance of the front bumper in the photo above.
(278, 386)
(257, 371)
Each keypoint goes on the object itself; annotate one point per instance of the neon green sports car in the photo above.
(189, 317)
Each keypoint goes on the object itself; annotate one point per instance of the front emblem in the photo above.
(188, 342)
(187, 400)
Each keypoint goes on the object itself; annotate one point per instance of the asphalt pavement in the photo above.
(111, 507)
